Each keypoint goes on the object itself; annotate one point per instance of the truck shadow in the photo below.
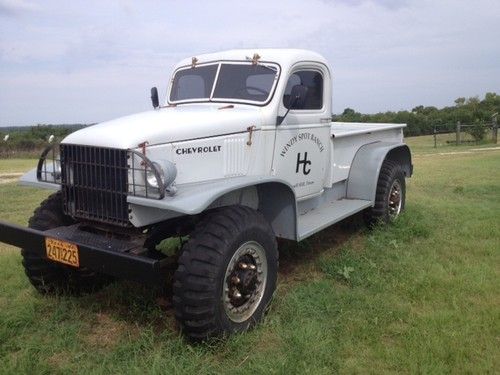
(144, 306)
(298, 259)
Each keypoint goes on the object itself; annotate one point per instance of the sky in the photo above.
(91, 61)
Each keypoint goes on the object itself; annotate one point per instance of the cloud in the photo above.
(16, 7)
(68, 58)
(391, 4)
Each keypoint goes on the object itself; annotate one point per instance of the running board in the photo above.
(329, 213)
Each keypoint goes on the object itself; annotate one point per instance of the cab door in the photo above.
(302, 145)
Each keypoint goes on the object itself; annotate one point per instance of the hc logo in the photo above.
(305, 164)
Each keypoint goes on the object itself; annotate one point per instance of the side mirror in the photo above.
(154, 97)
(297, 100)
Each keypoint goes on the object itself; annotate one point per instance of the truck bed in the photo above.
(346, 129)
(348, 137)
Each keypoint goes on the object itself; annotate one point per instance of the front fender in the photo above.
(277, 202)
(30, 179)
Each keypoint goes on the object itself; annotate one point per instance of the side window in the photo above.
(313, 80)
(292, 81)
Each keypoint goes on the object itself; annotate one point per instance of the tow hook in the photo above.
(250, 130)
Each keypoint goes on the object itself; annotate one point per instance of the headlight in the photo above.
(56, 170)
(151, 176)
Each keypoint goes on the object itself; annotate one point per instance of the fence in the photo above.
(459, 133)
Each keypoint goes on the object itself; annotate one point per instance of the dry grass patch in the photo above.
(106, 332)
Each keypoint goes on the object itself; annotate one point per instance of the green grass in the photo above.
(445, 143)
(419, 296)
(17, 165)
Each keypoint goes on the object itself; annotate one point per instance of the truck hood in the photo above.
(169, 124)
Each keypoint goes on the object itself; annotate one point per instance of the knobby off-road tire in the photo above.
(390, 195)
(226, 274)
(49, 277)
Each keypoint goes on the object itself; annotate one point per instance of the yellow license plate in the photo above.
(62, 252)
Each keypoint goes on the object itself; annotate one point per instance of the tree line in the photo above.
(29, 141)
(421, 120)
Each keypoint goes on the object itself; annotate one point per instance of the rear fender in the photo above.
(366, 165)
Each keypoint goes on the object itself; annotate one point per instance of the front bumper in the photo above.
(96, 252)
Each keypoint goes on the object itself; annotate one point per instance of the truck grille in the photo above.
(94, 183)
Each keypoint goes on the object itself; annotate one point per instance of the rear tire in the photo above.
(390, 196)
(226, 274)
(49, 277)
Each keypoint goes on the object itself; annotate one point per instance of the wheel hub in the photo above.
(245, 281)
(394, 199)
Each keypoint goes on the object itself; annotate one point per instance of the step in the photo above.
(327, 214)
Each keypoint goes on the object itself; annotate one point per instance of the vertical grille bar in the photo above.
(94, 183)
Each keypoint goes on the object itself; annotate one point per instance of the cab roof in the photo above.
(285, 57)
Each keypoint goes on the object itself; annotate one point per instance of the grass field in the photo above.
(419, 296)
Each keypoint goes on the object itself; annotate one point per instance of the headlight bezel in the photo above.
(139, 169)
(150, 178)
(49, 165)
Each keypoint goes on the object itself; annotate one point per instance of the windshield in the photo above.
(238, 82)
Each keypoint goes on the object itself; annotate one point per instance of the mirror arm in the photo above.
(279, 119)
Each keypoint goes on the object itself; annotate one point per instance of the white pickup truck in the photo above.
(242, 152)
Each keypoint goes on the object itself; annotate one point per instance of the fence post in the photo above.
(458, 133)
(494, 130)
(435, 141)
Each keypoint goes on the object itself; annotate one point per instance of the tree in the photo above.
(350, 115)
(348, 112)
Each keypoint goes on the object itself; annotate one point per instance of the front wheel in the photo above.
(390, 196)
(47, 276)
(226, 275)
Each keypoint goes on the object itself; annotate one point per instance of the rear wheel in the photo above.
(226, 275)
(50, 277)
(390, 195)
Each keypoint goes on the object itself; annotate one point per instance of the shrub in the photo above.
(477, 131)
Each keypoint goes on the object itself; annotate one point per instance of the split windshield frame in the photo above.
(219, 63)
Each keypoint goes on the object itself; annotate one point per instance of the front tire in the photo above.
(49, 277)
(226, 274)
(390, 196)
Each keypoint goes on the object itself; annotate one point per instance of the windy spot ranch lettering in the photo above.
(302, 137)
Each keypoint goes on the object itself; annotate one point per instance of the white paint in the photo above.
(212, 142)
(168, 125)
